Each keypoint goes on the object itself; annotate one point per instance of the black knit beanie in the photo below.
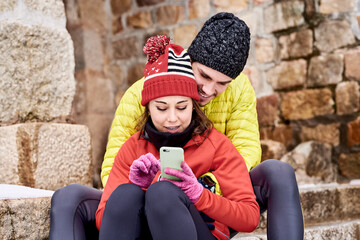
(222, 44)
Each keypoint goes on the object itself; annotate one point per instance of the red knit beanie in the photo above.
(168, 71)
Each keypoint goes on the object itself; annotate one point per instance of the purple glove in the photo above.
(143, 170)
(188, 184)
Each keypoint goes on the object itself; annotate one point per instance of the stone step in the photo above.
(45, 155)
(326, 202)
(24, 212)
(344, 230)
(331, 211)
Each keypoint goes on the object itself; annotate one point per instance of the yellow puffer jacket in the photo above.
(233, 113)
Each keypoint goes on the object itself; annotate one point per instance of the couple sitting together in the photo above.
(198, 100)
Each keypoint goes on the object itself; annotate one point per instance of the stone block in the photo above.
(349, 201)
(283, 15)
(169, 14)
(125, 48)
(7, 5)
(280, 133)
(230, 5)
(307, 103)
(287, 74)
(116, 25)
(139, 20)
(91, 49)
(297, 44)
(349, 165)
(325, 70)
(119, 7)
(353, 132)
(199, 9)
(253, 75)
(53, 8)
(325, 133)
(184, 35)
(93, 14)
(352, 59)
(27, 218)
(335, 6)
(311, 162)
(268, 110)
(347, 97)
(272, 150)
(37, 72)
(45, 155)
(265, 51)
(332, 35)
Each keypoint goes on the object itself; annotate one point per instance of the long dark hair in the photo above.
(202, 123)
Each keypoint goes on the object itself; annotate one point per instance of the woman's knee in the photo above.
(124, 198)
(275, 172)
(71, 196)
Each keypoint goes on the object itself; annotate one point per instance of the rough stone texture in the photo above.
(349, 165)
(352, 59)
(296, 44)
(272, 150)
(93, 14)
(54, 8)
(184, 35)
(287, 74)
(307, 103)
(37, 72)
(312, 162)
(325, 70)
(353, 132)
(8, 5)
(198, 8)
(335, 6)
(282, 15)
(22, 219)
(268, 110)
(44, 155)
(116, 25)
(265, 51)
(126, 48)
(281, 133)
(120, 6)
(332, 35)
(328, 133)
(169, 14)
(230, 5)
(139, 20)
(259, 2)
(347, 97)
(252, 20)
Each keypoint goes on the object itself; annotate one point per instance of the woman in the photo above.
(137, 202)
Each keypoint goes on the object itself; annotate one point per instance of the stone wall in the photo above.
(302, 64)
(38, 146)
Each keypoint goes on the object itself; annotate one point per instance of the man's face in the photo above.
(210, 82)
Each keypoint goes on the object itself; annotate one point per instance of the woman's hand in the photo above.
(188, 184)
(143, 170)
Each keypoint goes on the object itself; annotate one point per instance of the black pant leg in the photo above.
(123, 216)
(276, 191)
(171, 214)
(72, 215)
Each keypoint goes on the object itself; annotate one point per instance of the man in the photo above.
(218, 53)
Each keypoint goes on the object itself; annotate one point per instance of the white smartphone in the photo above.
(171, 157)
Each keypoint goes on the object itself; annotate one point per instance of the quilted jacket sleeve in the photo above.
(123, 125)
(242, 125)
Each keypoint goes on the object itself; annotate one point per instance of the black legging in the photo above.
(164, 209)
(73, 207)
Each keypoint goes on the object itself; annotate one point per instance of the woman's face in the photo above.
(171, 113)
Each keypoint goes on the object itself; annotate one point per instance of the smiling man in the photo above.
(218, 53)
